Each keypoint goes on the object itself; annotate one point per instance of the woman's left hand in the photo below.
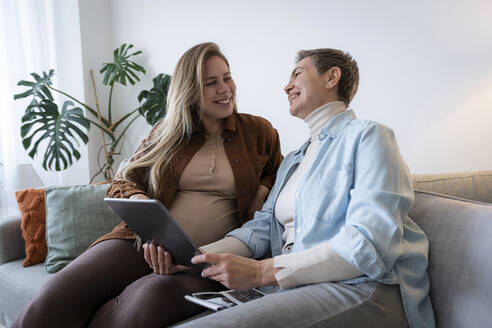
(160, 260)
(237, 272)
(258, 200)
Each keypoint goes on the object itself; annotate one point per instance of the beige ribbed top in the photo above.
(205, 204)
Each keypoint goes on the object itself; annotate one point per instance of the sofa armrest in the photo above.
(11, 241)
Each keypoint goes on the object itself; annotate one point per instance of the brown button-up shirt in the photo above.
(252, 147)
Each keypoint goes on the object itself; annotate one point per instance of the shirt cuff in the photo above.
(318, 264)
(228, 245)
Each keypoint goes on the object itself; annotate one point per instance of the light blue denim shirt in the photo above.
(357, 196)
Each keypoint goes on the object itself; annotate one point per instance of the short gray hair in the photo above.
(326, 58)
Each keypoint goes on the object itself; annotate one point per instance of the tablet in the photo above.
(151, 221)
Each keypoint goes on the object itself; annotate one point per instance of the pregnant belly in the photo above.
(204, 216)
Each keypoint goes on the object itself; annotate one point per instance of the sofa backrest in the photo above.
(460, 258)
(468, 185)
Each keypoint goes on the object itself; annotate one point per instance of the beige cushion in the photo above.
(470, 185)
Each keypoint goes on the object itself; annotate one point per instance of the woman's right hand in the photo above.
(160, 260)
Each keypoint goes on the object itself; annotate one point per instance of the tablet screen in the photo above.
(150, 220)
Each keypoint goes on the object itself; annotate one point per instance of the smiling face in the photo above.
(308, 90)
(219, 91)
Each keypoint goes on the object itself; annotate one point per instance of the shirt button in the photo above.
(243, 192)
(298, 194)
(236, 161)
(298, 230)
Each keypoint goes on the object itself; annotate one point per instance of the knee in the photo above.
(155, 295)
(41, 311)
(148, 302)
(48, 307)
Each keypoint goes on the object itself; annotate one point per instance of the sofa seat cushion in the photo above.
(460, 268)
(19, 283)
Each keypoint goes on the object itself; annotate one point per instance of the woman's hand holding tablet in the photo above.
(161, 260)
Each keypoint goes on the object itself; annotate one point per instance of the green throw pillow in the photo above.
(75, 217)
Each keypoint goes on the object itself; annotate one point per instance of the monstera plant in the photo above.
(61, 131)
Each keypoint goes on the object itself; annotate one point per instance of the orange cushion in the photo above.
(33, 224)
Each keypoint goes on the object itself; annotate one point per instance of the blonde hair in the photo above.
(184, 111)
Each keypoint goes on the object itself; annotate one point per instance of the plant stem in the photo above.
(102, 127)
(74, 99)
(110, 101)
(103, 141)
(96, 174)
(90, 109)
(115, 124)
(113, 146)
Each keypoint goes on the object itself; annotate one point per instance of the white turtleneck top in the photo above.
(284, 207)
(320, 263)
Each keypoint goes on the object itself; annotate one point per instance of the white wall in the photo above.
(97, 48)
(69, 77)
(425, 65)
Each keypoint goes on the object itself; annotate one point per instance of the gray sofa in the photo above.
(455, 210)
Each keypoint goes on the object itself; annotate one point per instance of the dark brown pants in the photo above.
(111, 285)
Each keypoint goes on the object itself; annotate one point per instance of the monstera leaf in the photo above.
(38, 88)
(154, 107)
(61, 130)
(122, 69)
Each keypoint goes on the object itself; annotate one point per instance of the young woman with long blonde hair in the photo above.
(209, 165)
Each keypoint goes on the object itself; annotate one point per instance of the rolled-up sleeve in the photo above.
(124, 189)
(380, 200)
(317, 264)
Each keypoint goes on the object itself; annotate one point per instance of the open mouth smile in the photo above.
(225, 101)
(293, 96)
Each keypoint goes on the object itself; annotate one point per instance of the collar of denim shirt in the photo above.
(332, 129)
